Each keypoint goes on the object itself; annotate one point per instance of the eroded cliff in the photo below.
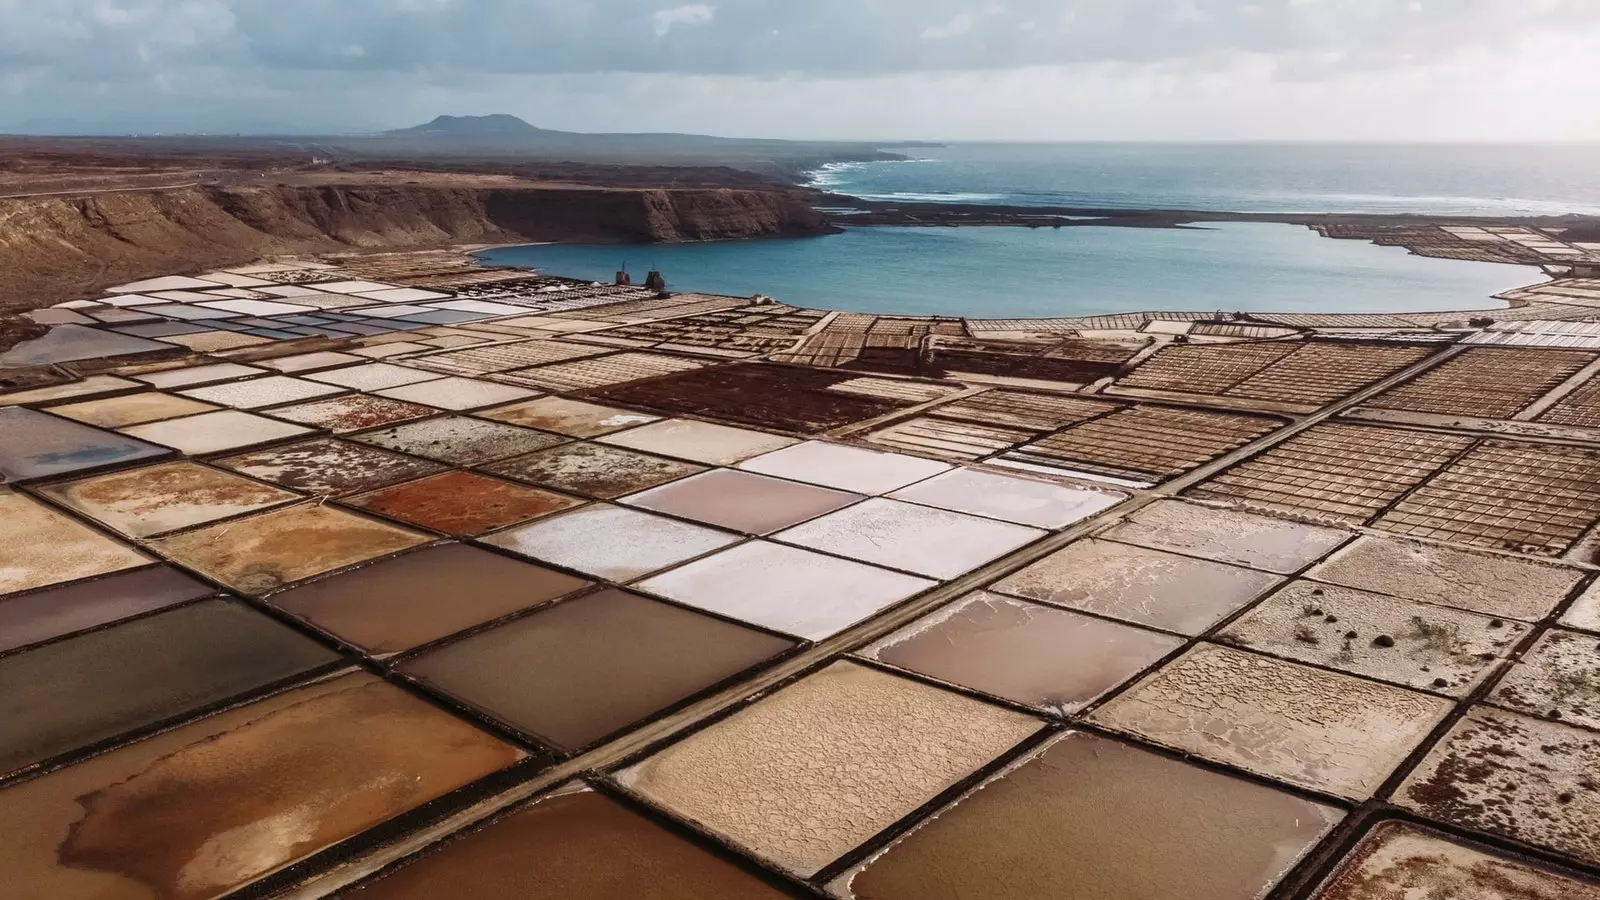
(60, 248)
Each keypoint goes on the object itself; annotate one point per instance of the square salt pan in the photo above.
(263, 552)
(131, 409)
(700, 442)
(845, 468)
(196, 375)
(1481, 582)
(168, 283)
(36, 445)
(742, 501)
(803, 776)
(457, 393)
(1139, 585)
(92, 386)
(573, 418)
(352, 287)
(375, 376)
(611, 542)
(1585, 613)
(306, 362)
(233, 279)
(460, 440)
(153, 500)
(227, 429)
(786, 589)
(273, 390)
(1019, 500)
(401, 295)
(388, 312)
(1042, 657)
(1284, 721)
(44, 547)
(212, 341)
(187, 313)
(913, 538)
(257, 307)
(383, 351)
(483, 306)
(1224, 535)
(1089, 818)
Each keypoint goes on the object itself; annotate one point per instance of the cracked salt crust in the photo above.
(808, 773)
(1481, 582)
(1415, 645)
(1518, 777)
(1400, 860)
(1228, 536)
(1558, 678)
(1304, 726)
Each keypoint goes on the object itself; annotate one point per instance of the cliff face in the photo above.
(54, 249)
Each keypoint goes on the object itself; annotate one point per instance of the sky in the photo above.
(1362, 70)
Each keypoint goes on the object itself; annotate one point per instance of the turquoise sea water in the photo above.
(1004, 272)
(1432, 179)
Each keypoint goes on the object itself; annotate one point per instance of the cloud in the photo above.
(694, 14)
(958, 25)
(234, 62)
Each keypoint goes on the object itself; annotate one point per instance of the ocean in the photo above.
(1015, 272)
(1446, 180)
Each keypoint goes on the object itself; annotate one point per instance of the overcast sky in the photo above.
(1497, 70)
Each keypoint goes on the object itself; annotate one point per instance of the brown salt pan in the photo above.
(44, 615)
(1044, 657)
(594, 470)
(742, 501)
(1147, 587)
(330, 467)
(462, 503)
(73, 693)
(1093, 818)
(580, 670)
(401, 603)
(264, 552)
(566, 847)
(1398, 861)
(198, 811)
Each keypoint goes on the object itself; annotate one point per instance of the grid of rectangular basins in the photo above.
(1320, 373)
(1204, 370)
(1144, 443)
(1345, 473)
(1531, 498)
(756, 329)
(416, 611)
(593, 373)
(502, 357)
(988, 423)
(1580, 408)
(1491, 383)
